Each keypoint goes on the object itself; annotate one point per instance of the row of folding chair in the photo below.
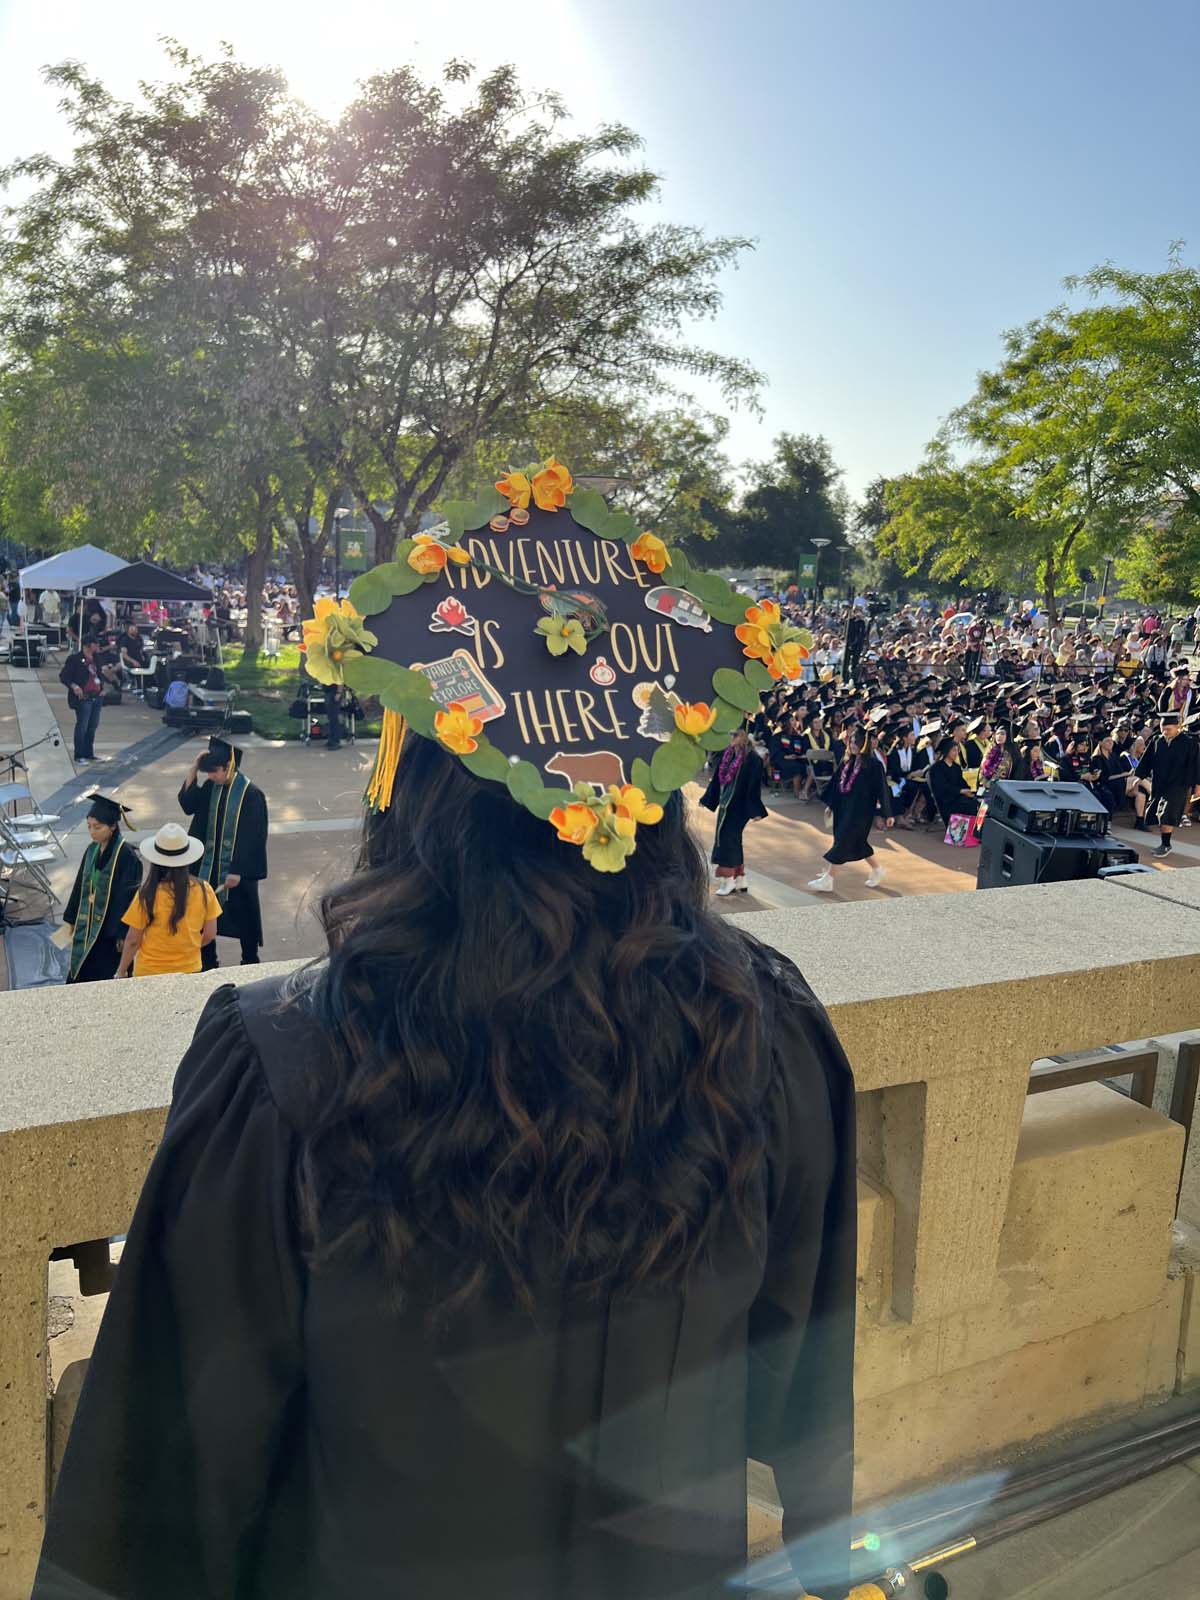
(24, 853)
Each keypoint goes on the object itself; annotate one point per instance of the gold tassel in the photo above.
(391, 742)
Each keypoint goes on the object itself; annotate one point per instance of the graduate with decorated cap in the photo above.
(107, 880)
(228, 814)
(480, 1256)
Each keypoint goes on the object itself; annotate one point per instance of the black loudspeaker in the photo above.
(1060, 808)
(1007, 856)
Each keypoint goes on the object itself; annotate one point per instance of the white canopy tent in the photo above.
(71, 569)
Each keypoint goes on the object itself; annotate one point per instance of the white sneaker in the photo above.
(823, 884)
(725, 886)
(875, 876)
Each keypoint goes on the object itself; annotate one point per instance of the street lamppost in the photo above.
(818, 545)
(844, 550)
(342, 511)
(1108, 564)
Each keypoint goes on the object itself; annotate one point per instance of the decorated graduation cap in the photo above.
(556, 649)
(106, 808)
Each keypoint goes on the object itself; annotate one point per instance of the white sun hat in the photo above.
(171, 847)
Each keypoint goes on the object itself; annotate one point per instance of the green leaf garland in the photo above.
(677, 762)
(734, 687)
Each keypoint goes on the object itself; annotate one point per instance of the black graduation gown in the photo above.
(242, 914)
(1174, 768)
(744, 805)
(255, 1428)
(103, 959)
(854, 812)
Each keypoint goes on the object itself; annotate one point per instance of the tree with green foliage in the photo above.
(1037, 469)
(792, 498)
(242, 307)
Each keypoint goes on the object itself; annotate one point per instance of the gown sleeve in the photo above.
(71, 910)
(127, 880)
(193, 1387)
(801, 1358)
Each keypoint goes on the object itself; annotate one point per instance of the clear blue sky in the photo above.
(918, 175)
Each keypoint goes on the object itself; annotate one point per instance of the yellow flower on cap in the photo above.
(632, 801)
(551, 486)
(457, 728)
(649, 548)
(755, 641)
(695, 719)
(788, 661)
(516, 488)
(607, 852)
(332, 637)
(575, 823)
(430, 554)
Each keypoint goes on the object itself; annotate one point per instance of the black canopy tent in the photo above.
(142, 580)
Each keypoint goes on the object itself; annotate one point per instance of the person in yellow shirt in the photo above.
(174, 914)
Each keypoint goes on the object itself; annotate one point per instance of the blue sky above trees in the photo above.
(918, 175)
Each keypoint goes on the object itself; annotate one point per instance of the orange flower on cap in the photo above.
(575, 823)
(457, 729)
(695, 719)
(649, 548)
(551, 486)
(766, 614)
(430, 555)
(754, 640)
(516, 488)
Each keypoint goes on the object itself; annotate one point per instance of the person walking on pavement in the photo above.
(229, 815)
(81, 677)
(1174, 768)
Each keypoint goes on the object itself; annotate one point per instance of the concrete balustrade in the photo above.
(1016, 1272)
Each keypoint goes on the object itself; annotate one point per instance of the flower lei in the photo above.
(849, 772)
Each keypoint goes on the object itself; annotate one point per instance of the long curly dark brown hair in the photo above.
(525, 1049)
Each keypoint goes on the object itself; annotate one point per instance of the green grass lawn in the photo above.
(267, 688)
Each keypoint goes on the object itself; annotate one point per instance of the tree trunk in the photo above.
(256, 576)
(1051, 596)
(386, 529)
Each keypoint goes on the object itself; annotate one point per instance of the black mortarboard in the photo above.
(225, 752)
(106, 808)
(558, 652)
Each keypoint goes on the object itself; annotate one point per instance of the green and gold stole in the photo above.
(220, 850)
(95, 892)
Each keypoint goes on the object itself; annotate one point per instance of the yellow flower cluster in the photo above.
(548, 487)
(605, 826)
(332, 637)
(765, 637)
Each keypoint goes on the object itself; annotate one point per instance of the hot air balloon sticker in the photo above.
(677, 605)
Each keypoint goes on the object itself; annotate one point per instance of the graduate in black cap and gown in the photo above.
(369, 1284)
(107, 880)
(229, 816)
(1173, 764)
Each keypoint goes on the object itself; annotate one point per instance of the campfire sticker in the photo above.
(451, 616)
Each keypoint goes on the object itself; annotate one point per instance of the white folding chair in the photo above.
(11, 795)
(18, 855)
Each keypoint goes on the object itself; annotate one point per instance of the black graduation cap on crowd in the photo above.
(106, 808)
